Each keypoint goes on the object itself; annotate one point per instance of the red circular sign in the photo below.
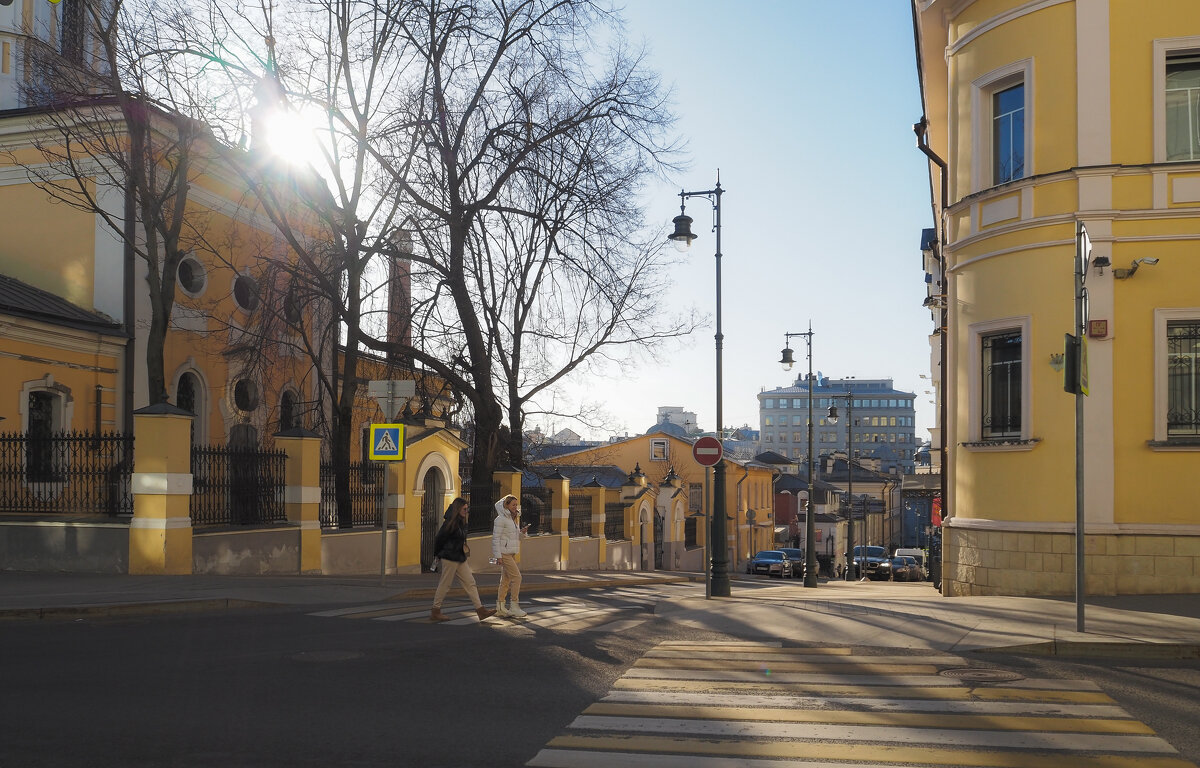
(707, 451)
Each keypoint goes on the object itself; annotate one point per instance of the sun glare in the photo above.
(292, 136)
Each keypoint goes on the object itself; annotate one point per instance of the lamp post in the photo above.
(682, 237)
(810, 526)
(833, 418)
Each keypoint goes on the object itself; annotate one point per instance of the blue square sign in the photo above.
(387, 442)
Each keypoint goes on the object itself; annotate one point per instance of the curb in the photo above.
(1076, 649)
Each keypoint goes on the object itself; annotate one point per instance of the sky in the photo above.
(806, 107)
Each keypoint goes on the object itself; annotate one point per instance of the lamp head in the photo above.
(832, 415)
(682, 237)
(787, 361)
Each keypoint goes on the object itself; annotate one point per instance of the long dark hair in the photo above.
(452, 519)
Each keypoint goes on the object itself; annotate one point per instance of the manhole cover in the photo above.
(982, 675)
(323, 656)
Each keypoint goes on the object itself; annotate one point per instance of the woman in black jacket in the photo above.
(451, 546)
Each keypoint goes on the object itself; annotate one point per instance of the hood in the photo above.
(500, 510)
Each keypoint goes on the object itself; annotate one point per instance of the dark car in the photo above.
(868, 559)
(915, 571)
(896, 569)
(797, 558)
(773, 563)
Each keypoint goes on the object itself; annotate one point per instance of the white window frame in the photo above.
(982, 90)
(976, 332)
(660, 449)
(1164, 48)
(1161, 318)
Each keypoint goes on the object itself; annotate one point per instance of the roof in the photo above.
(668, 428)
(608, 475)
(771, 457)
(23, 300)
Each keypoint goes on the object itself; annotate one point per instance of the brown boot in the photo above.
(437, 615)
(485, 613)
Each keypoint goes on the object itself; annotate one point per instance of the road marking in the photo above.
(696, 706)
(956, 721)
(615, 748)
(868, 704)
(999, 739)
(942, 692)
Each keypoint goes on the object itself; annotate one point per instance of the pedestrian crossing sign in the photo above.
(387, 442)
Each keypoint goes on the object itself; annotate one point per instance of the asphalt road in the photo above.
(280, 687)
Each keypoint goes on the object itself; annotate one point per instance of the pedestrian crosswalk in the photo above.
(608, 610)
(760, 705)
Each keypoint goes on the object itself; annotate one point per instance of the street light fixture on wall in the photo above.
(810, 546)
(832, 415)
(682, 237)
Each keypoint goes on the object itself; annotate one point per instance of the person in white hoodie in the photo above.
(506, 545)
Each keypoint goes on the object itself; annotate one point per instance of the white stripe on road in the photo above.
(868, 705)
(946, 661)
(926, 681)
(568, 758)
(941, 737)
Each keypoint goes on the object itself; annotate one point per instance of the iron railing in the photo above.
(614, 521)
(580, 521)
(366, 494)
(66, 473)
(237, 486)
(537, 509)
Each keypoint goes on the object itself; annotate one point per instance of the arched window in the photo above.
(43, 421)
(287, 411)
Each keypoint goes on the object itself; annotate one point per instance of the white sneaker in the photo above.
(501, 612)
(516, 612)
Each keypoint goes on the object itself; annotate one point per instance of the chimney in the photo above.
(399, 321)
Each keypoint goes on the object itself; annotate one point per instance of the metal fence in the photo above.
(66, 473)
(482, 523)
(366, 494)
(537, 509)
(580, 521)
(614, 521)
(237, 486)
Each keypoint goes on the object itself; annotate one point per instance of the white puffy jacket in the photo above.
(506, 535)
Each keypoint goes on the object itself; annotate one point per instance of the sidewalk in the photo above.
(836, 612)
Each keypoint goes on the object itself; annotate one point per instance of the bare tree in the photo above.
(510, 144)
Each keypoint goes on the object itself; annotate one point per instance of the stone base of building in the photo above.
(978, 561)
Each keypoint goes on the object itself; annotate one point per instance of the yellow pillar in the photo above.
(509, 482)
(160, 533)
(302, 493)
(560, 511)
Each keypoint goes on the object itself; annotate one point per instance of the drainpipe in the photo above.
(920, 128)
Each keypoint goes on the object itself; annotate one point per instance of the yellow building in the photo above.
(1052, 118)
(666, 459)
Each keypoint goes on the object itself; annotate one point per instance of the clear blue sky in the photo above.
(807, 109)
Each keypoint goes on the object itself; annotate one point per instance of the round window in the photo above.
(191, 276)
(245, 292)
(245, 395)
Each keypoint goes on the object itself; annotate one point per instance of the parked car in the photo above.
(915, 571)
(773, 563)
(919, 555)
(891, 569)
(867, 560)
(797, 558)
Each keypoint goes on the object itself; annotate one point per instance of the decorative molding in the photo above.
(1090, 528)
(998, 20)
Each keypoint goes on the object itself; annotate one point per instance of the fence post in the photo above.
(560, 513)
(160, 533)
(302, 491)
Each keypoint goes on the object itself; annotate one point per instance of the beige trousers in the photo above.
(449, 569)
(510, 579)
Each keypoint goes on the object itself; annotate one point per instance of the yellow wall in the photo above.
(51, 248)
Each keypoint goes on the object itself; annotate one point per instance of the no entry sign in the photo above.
(707, 451)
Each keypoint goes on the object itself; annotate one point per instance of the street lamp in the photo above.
(682, 237)
(810, 526)
(833, 418)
